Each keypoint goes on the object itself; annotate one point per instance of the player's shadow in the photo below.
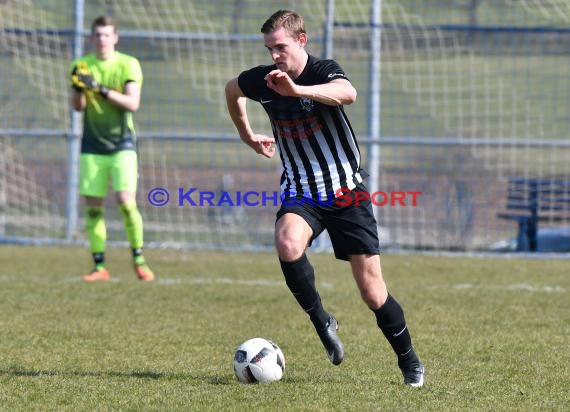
(35, 373)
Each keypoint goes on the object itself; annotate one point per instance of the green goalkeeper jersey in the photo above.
(108, 129)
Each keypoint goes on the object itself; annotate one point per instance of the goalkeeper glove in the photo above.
(82, 80)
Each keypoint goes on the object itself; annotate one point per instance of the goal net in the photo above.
(471, 94)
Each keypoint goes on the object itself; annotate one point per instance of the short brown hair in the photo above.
(103, 21)
(290, 20)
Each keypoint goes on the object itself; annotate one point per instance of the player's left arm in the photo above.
(334, 93)
(129, 100)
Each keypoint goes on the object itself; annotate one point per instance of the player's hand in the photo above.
(82, 80)
(281, 83)
(263, 145)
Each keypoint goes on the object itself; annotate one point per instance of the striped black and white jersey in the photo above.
(316, 143)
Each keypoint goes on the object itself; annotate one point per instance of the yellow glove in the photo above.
(82, 80)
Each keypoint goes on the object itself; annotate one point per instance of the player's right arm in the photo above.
(334, 93)
(236, 102)
(77, 100)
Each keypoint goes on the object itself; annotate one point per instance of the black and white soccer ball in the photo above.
(258, 360)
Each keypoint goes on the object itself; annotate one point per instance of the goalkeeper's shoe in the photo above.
(98, 274)
(414, 375)
(143, 272)
(331, 341)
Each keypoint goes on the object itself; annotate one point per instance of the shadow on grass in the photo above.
(33, 373)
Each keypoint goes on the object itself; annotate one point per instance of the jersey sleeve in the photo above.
(133, 71)
(252, 83)
(329, 70)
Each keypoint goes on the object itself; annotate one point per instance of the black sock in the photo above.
(391, 321)
(300, 278)
(99, 259)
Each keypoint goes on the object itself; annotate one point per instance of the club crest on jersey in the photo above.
(307, 104)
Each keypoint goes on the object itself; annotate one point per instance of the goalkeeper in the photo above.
(106, 86)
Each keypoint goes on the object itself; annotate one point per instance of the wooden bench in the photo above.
(530, 201)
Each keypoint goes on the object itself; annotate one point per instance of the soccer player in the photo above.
(304, 97)
(106, 86)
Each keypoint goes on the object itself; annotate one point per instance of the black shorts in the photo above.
(352, 228)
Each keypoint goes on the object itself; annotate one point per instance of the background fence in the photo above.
(471, 93)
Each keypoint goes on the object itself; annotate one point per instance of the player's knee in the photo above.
(94, 212)
(372, 300)
(374, 296)
(128, 209)
(289, 248)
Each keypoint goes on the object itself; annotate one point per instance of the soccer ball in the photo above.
(258, 360)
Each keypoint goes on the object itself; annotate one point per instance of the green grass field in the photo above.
(493, 333)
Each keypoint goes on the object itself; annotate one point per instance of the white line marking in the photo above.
(184, 280)
(517, 286)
